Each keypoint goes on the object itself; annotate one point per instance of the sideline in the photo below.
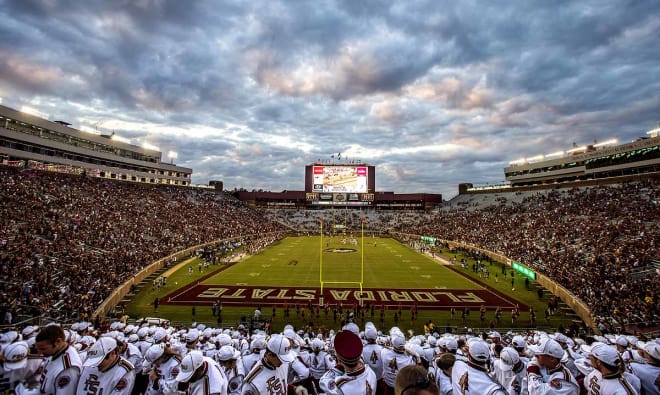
(178, 266)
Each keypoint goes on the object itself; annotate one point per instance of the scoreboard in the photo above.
(340, 184)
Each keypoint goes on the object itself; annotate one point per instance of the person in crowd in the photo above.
(62, 367)
(105, 371)
(202, 375)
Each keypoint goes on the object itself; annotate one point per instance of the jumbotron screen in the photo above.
(349, 179)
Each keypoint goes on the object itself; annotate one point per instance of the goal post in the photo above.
(324, 282)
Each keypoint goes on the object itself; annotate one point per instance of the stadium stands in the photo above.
(67, 241)
(590, 240)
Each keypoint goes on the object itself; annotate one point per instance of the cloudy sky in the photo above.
(433, 93)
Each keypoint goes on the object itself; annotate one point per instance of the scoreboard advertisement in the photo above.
(342, 184)
(345, 179)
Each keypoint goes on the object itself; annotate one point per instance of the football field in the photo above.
(378, 271)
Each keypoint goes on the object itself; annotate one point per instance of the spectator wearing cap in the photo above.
(545, 372)
(320, 361)
(230, 362)
(472, 378)
(161, 363)
(372, 351)
(520, 345)
(62, 366)
(18, 367)
(648, 373)
(257, 348)
(414, 380)
(203, 375)
(350, 375)
(269, 375)
(105, 371)
(607, 377)
(444, 365)
(299, 372)
(394, 359)
(622, 346)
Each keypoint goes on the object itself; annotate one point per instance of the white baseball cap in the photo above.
(509, 356)
(652, 348)
(606, 354)
(518, 342)
(479, 351)
(280, 346)
(548, 347)
(16, 355)
(228, 352)
(189, 365)
(97, 352)
(154, 352)
(398, 341)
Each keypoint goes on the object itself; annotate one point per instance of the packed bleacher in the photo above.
(67, 241)
(589, 240)
(161, 359)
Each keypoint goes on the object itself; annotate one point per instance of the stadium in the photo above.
(100, 234)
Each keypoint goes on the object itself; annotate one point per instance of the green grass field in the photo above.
(387, 264)
(294, 262)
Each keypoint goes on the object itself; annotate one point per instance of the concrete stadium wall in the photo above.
(121, 291)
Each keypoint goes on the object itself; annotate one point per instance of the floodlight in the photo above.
(608, 142)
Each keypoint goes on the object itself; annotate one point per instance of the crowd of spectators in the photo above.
(589, 240)
(67, 241)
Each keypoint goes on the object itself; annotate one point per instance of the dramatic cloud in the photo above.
(431, 93)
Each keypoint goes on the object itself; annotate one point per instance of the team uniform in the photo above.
(616, 384)
(212, 382)
(264, 379)
(320, 363)
(475, 380)
(542, 381)
(250, 360)
(443, 382)
(61, 373)
(649, 375)
(372, 356)
(119, 378)
(336, 382)
(234, 376)
(393, 361)
(27, 375)
(167, 372)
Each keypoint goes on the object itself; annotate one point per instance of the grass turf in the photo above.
(294, 261)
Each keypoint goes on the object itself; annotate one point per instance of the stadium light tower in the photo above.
(172, 155)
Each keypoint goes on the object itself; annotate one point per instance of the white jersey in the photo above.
(213, 382)
(250, 360)
(61, 373)
(502, 372)
(336, 382)
(443, 382)
(264, 379)
(117, 379)
(133, 355)
(28, 375)
(234, 375)
(475, 380)
(541, 381)
(649, 375)
(372, 356)
(596, 384)
(393, 362)
(517, 384)
(298, 371)
(143, 346)
(166, 372)
(320, 363)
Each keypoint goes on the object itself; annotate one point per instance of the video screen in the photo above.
(342, 179)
